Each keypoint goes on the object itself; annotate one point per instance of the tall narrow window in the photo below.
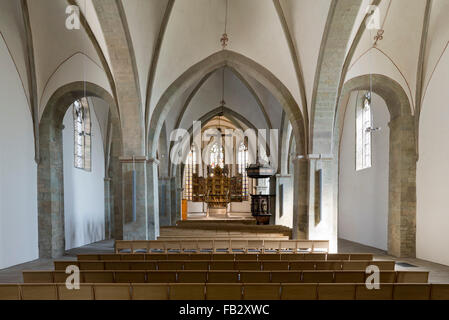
(242, 161)
(363, 136)
(82, 134)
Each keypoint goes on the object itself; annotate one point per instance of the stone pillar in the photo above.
(140, 182)
(50, 190)
(402, 188)
(165, 218)
(153, 198)
(300, 228)
(323, 214)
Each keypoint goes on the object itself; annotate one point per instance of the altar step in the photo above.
(216, 227)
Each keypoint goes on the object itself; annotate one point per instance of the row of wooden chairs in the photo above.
(228, 276)
(224, 265)
(227, 256)
(231, 291)
(199, 234)
(221, 245)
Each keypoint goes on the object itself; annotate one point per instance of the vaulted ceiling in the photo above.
(153, 42)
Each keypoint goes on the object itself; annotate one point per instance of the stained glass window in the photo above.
(82, 134)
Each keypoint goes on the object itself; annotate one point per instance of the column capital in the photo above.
(131, 159)
(313, 156)
(279, 175)
(153, 160)
(138, 159)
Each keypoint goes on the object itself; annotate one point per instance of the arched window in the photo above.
(82, 134)
(216, 156)
(242, 163)
(363, 134)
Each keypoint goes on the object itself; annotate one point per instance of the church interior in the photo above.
(224, 150)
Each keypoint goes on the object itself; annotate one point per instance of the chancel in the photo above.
(224, 150)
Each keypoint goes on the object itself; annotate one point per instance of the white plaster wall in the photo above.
(18, 170)
(77, 68)
(432, 176)
(83, 191)
(363, 195)
(397, 54)
(13, 32)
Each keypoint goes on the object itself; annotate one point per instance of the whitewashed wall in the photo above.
(432, 177)
(83, 191)
(18, 170)
(363, 195)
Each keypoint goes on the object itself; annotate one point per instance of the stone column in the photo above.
(153, 198)
(140, 198)
(323, 214)
(300, 198)
(50, 190)
(402, 188)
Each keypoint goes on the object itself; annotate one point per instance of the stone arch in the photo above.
(50, 167)
(242, 65)
(402, 172)
(210, 115)
(177, 170)
(249, 68)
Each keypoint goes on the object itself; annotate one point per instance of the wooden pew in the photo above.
(224, 291)
(191, 276)
(9, 292)
(226, 264)
(230, 244)
(229, 256)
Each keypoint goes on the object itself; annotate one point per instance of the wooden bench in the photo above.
(226, 256)
(163, 276)
(224, 265)
(216, 245)
(224, 291)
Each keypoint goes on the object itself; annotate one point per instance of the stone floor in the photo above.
(438, 273)
(14, 274)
